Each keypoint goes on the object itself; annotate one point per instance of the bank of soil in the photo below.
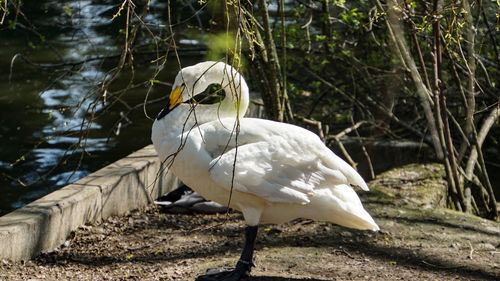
(419, 241)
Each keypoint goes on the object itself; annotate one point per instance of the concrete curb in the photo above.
(43, 225)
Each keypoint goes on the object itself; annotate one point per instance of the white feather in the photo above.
(281, 171)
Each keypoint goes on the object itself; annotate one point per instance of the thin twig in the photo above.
(471, 250)
(346, 131)
(363, 148)
(315, 123)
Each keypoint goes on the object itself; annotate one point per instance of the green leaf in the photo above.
(67, 10)
(320, 37)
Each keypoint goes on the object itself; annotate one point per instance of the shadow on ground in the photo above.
(211, 241)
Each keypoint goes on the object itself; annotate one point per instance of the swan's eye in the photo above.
(212, 94)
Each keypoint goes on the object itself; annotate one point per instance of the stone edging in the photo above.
(116, 189)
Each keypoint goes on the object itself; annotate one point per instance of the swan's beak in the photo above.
(174, 100)
(175, 97)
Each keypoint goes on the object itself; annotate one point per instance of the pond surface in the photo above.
(42, 108)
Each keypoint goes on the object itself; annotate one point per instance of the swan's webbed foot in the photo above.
(243, 266)
(227, 274)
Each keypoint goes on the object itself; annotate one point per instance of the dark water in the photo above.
(38, 104)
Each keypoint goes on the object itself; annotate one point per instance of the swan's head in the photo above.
(194, 80)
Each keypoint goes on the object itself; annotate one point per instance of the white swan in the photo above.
(282, 171)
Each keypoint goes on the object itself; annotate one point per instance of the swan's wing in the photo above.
(275, 161)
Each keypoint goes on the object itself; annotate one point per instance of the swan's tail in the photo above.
(360, 219)
(347, 209)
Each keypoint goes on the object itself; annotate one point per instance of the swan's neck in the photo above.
(234, 104)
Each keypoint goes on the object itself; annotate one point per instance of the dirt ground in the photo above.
(418, 241)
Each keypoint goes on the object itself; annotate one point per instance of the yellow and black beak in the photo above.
(174, 100)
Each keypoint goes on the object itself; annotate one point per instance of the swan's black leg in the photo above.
(243, 266)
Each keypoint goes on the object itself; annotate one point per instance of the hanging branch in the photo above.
(470, 63)
(285, 104)
(417, 46)
(441, 112)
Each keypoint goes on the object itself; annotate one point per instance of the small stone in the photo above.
(346, 234)
(485, 247)
(493, 229)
